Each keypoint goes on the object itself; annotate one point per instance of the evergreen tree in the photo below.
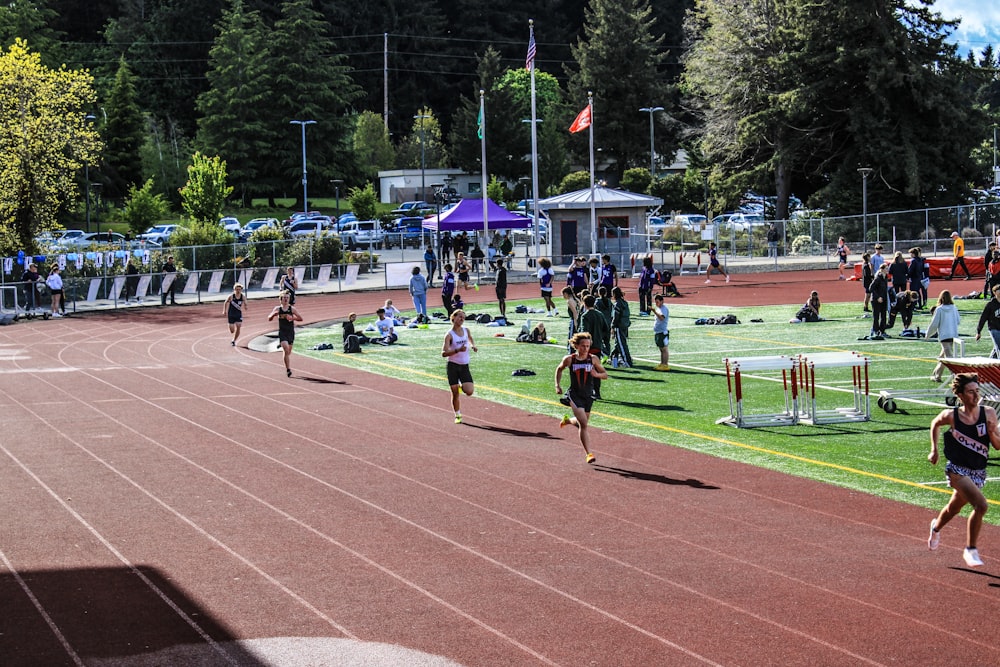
(125, 134)
(31, 20)
(619, 58)
(234, 121)
(309, 83)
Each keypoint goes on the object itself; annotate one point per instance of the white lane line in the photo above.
(117, 554)
(41, 610)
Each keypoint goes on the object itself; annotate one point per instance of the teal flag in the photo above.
(479, 124)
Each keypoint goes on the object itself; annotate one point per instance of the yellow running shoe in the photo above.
(591, 458)
(566, 421)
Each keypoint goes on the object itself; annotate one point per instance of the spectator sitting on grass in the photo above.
(809, 312)
(393, 313)
(457, 302)
(386, 330)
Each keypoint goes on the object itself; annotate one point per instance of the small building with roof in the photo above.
(619, 230)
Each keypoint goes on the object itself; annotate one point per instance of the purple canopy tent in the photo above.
(468, 217)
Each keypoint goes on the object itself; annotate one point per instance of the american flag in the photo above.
(529, 62)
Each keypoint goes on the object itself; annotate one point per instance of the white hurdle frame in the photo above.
(734, 381)
(860, 411)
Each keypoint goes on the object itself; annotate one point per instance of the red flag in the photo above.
(582, 121)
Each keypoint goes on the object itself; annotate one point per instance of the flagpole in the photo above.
(534, 140)
(482, 138)
(593, 207)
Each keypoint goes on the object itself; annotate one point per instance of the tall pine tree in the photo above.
(309, 83)
(619, 58)
(124, 133)
(235, 114)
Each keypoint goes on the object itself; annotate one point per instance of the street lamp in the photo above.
(305, 178)
(652, 144)
(423, 155)
(89, 118)
(864, 171)
(337, 182)
(438, 194)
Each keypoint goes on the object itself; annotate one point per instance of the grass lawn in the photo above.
(886, 456)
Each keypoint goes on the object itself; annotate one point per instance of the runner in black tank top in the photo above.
(233, 309)
(287, 317)
(966, 448)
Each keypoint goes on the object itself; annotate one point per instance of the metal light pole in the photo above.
(652, 143)
(704, 177)
(864, 171)
(336, 188)
(90, 118)
(305, 178)
(423, 156)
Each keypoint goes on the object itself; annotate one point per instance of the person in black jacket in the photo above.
(917, 273)
(990, 318)
(898, 272)
(879, 292)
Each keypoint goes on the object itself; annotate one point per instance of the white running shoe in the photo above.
(971, 556)
(934, 539)
(708, 281)
(727, 279)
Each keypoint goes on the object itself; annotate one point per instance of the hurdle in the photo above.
(988, 371)
(734, 382)
(859, 411)
(697, 269)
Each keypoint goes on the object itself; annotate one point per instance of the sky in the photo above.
(980, 24)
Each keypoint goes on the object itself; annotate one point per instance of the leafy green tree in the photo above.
(44, 141)
(308, 83)
(205, 194)
(425, 133)
(618, 59)
(496, 190)
(636, 179)
(813, 96)
(125, 134)
(372, 148)
(364, 203)
(235, 115)
(144, 208)
(577, 180)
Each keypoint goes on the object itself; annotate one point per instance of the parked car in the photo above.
(345, 218)
(409, 232)
(745, 222)
(362, 234)
(258, 223)
(306, 228)
(527, 234)
(231, 224)
(94, 239)
(692, 222)
(412, 207)
(56, 240)
(299, 215)
(160, 234)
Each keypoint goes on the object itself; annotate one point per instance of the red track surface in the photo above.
(162, 489)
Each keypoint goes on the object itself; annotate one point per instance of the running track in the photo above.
(167, 499)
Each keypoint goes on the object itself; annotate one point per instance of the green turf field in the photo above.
(886, 456)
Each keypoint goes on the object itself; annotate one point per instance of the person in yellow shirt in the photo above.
(958, 250)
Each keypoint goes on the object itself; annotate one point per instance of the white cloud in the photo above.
(980, 22)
